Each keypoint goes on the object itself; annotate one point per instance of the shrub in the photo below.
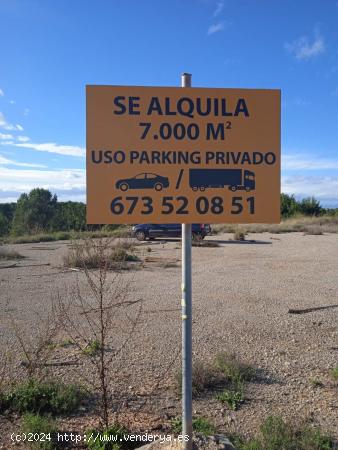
(239, 235)
(45, 398)
(109, 439)
(203, 377)
(44, 426)
(275, 434)
(233, 370)
(199, 425)
(232, 397)
(89, 255)
(92, 348)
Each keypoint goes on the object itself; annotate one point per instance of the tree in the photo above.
(4, 225)
(70, 216)
(34, 212)
(289, 205)
(310, 207)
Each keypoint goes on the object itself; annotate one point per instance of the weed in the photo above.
(239, 235)
(52, 346)
(232, 397)
(6, 254)
(109, 439)
(199, 425)
(233, 370)
(92, 348)
(275, 434)
(327, 224)
(33, 424)
(149, 249)
(45, 398)
(87, 255)
(66, 343)
(316, 383)
(334, 373)
(203, 376)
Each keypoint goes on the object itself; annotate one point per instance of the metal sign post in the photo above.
(186, 323)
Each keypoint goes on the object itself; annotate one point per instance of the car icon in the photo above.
(143, 181)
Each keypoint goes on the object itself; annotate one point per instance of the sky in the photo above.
(52, 48)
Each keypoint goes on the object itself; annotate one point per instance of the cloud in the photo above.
(301, 161)
(1, 93)
(303, 49)
(215, 28)
(219, 8)
(6, 136)
(24, 180)
(8, 162)
(26, 112)
(325, 189)
(8, 126)
(51, 147)
(23, 138)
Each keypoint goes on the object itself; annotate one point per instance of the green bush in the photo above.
(275, 434)
(92, 348)
(199, 425)
(109, 439)
(232, 397)
(45, 398)
(35, 424)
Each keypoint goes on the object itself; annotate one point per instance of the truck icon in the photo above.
(235, 179)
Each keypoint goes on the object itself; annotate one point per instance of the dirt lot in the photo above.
(241, 296)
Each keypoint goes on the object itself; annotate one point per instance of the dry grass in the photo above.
(90, 254)
(239, 234)
(308, 225)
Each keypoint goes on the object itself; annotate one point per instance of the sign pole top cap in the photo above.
(186, 79)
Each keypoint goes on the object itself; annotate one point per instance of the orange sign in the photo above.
(182, 155)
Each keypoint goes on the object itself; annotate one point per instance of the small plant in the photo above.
(96, 255)
(45, 398)
(334, 373)
(199, 425)
(239, 235)
(232, 397)
(52, 345)
(44, 427)
(316, 383)
(92, 348)
(66, 343)
(149, 250)
(110, 439)
(275, 434)
(203, 376)
(232, 369)
(203, 426)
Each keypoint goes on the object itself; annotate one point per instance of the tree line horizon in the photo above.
(40, 211)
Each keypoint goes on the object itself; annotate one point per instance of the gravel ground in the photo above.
(242, 292)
